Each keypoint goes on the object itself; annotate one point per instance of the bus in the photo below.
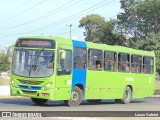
(54, 68)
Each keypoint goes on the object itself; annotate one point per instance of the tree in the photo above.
(92, 24)
(100, 31)
(127, 19)
(148, 12)
(140, 18)
(4, 63)
(9, 53)
(152, 43)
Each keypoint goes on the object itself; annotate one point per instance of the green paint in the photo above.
(100, 84)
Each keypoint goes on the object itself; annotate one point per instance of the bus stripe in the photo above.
(78, 75)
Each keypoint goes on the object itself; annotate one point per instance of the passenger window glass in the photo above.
(64, 63)
(136, 64)
(95, 59)
(124, 62)
(148, 64)
(110, 61)
(80, 58)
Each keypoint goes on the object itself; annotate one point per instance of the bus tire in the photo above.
(76, 97)
(94, 101)
(39, 101)
(127, 95)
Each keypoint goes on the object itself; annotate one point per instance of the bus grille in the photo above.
(29, 92)
(29, 82)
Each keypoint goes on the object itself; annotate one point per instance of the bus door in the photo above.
(94, 74)
(63, 71)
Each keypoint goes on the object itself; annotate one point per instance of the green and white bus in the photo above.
(54, 68)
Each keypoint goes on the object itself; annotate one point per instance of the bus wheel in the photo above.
(127, 95)
(76, 97)
(94, 101)
(39, 101)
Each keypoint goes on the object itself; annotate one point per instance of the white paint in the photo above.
(68, 82)
(129, 79)
(150, 80)
(4, 91)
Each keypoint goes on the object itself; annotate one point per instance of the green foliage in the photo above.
(4, 63)
(9, 53)
(127, 20)
(152, 43)
(140, 18)
(92, 24)
(100, 31)
(148, 12)
(138, 26)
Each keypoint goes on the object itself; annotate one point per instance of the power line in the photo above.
(12, 9)
(67, 31)
(26, 10)
(78, 28)
(44, 15)
(71, 17)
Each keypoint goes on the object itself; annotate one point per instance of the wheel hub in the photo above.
(74, 96)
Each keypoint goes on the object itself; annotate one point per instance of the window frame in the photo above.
(120, 62)
(151, 67)
(58, 62)
(137, 64)
(115, 61)
(85, 63)
(88, 60)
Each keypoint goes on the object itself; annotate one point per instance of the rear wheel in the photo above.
(94, 101)
(76, 97)
(127, 95)
(39, 101)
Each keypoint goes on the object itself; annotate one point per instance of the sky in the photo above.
(49, 17)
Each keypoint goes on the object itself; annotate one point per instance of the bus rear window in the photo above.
(36, 43)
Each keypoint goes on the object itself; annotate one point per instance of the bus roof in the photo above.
(44, 37)
(115, 48)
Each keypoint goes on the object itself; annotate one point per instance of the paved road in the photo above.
(19, 104)
(147, 104)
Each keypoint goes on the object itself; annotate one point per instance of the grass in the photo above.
(157, 90)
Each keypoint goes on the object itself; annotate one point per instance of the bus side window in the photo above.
(148, 65)
(110, 61)
(80, 56)
(136, 62)
(95, 59)
(64, 62)
(124, 62)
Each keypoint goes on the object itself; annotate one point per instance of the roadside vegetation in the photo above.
(137, 26)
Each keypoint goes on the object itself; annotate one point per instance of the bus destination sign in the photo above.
(37, 43)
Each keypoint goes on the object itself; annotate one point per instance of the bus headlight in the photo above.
(47, 86)
(14, 84)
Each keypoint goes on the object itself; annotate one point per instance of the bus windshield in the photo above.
(33, 63)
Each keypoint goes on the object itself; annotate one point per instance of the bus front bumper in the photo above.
(44, 94)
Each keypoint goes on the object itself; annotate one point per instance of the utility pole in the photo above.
(70, 30)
